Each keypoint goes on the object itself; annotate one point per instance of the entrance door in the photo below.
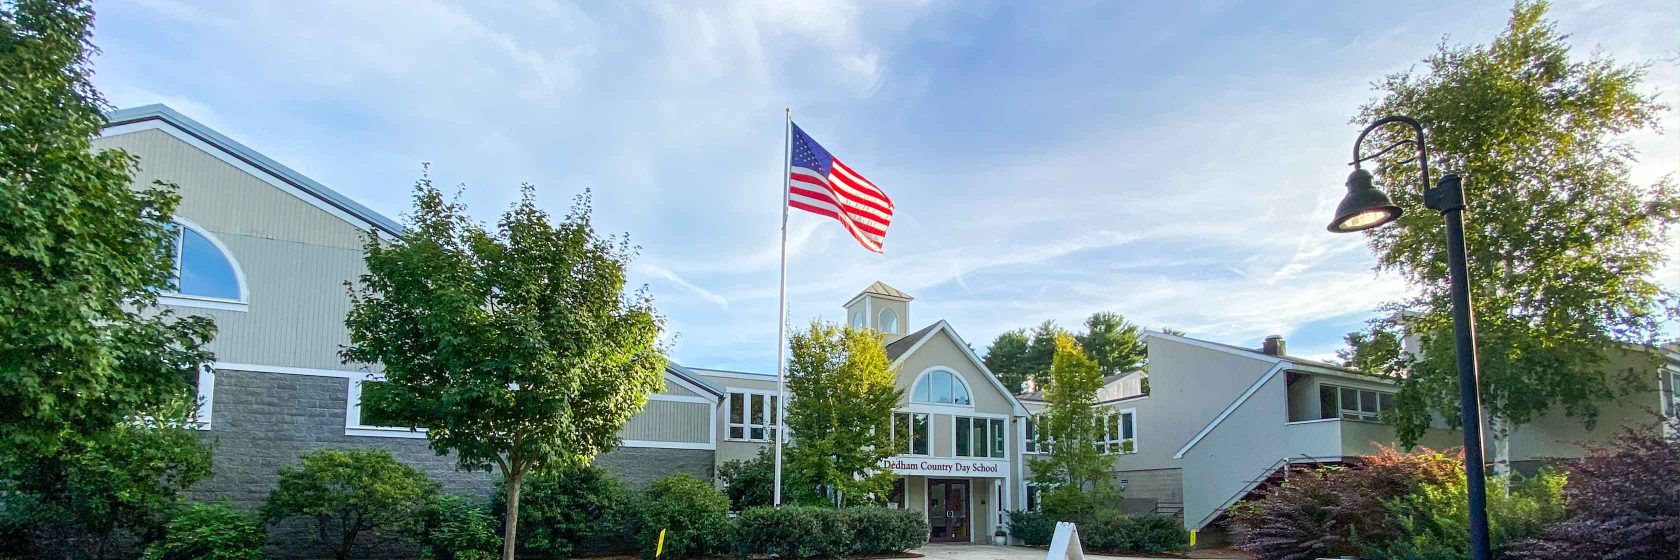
(948, 510)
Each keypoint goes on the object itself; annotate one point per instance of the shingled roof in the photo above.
(898, 347)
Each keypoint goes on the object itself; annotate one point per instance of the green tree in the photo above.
(841, 398)
(1007, 358)
(1041, 351)
(1375, 350)
(1113, 342)
(1076, 472)
(84, 348)
(351, 493)
(1563, 246)
(516, 348)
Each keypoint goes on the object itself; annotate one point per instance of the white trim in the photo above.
(747, 424)
(203, 413)
(679, 398)
(988, 418)
(1299, 422)
(259, 368)
(353, 415)
(668, 444)
(898, 324)
(1280, 365)
(1018, 409)
(1121, 428)
(765, 377)
(206, 302)
(1211, 346)
(224, 157)
(691, 386)
(954, 375)
(892, 434)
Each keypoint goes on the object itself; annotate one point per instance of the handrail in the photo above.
(1265, 475)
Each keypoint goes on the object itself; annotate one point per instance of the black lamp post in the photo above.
(1366, 207)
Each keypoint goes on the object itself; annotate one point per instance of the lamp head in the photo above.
(1364, 207)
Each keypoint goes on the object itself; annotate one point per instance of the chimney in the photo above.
(1273, 345)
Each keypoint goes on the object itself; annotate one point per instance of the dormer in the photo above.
(882, 308)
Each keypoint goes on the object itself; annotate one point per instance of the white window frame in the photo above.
(353, 425)
(242, 304)
(988, 420)
(1356, 414)
(772, 417)
(881, 321)
(909, 450)
(1029, 441)
(953, 405)
(1114, 440)
(1671, 405)
(206, 398)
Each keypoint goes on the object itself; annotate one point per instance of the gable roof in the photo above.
(882, 290)
(124, 118)
(692, 378)
(916, 339)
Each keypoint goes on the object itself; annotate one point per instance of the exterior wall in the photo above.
(728, 449)
(1145, 489)
(1556, 435)
(296, 313)
(1189, 387)
(943, 352)
(671, 421)
(1241, 449)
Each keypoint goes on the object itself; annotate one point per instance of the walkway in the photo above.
(959, 551)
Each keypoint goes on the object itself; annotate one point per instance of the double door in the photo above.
(948, 510)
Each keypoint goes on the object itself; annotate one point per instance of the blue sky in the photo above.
(1175, 162)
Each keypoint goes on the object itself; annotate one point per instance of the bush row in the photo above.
(809, 531)
(1105, 531)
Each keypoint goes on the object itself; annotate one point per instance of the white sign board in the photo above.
(1065, 545)
(930, 466)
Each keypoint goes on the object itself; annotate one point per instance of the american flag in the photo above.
(820, 184)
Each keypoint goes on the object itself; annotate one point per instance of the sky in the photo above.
(1175, 162)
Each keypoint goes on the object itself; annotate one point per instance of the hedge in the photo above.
(812, 531)
(693, 514)
(1107, 531)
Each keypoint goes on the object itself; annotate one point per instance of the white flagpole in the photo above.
(781, 315)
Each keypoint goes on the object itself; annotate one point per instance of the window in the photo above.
(889, 321)
(1034, 500)
(858, 320)
(369, 416)
(979, 437)
(752, 416)
(1349, 403)
(364, 420)
(1118, 431)
(896, 498)
(1671, 404)
(941, 387)
(1036, 441)
(910, 433)
(203, 269)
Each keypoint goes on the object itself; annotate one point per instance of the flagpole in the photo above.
(781, 315)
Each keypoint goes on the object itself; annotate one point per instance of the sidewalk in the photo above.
(963, 551)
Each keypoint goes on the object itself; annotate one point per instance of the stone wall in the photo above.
(263, 421)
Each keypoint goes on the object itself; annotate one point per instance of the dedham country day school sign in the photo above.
(928, 466)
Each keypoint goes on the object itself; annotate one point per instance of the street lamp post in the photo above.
(1365, 207)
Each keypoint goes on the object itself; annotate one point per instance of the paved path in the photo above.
(954, 551)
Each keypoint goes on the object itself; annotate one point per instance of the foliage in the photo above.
(1034, 528)
(748, 482)
(1113, 342)
(1007, 358)
(1041, 351)
(1112, 531)
(565, 508)
(1335, 511)
(210, 532)
(125, 479)
(84, 348)
(694, 515)
(517, 347)
(1377, 351)
(458, 528)
(1433, 519)
(842, 394)
(808, 532)
(1075, 473)
(1623, 503)
(1563, 246)
(350, 493)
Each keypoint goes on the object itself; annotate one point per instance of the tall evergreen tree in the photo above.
(1113, 342)
(1041, 351)
(841, 398)
(1563, 246)
(1007, 358)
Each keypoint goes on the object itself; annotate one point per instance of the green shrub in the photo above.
(210, 532)
(1159, 533)
(1434, 518)
(815, 531)
(459, 528)
(348, 493)
(748, 483)
(567, 509)
(1033, 528)
(694, 515)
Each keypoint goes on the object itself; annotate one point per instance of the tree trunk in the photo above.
(509, 543)
(1499, 438)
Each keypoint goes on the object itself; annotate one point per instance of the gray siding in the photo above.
(671, 421)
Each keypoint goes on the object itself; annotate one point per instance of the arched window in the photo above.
(203, 268)
(889, 321)
(941, 387)
(858, 320)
